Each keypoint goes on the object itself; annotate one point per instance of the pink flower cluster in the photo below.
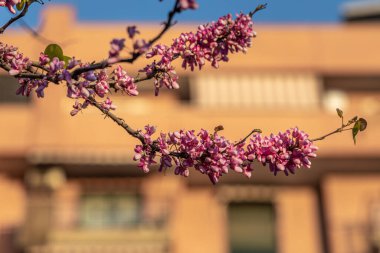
(285, 152)
(214, 155)
(132, 31)
(117, 45)
(108, 105)
(17, 63)
(163, 72)
(140, 46)
(15, 60)
(98, 83)
(144, 153)
(124, 82)
(90, 83)
(9, 4)
(210, 154)
(212, 42)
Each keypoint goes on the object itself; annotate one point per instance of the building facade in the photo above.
(68, 184)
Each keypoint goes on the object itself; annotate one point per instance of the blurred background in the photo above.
(69, 185)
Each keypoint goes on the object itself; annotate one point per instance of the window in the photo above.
(268, 90)
(352, 83)
(358, 93)
(251, 227)
(109, 210)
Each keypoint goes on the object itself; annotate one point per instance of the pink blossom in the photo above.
(78, 107)
(141, 46)
(26, 87)
(124, 82)
(285, 152)
(43, 59)
(73, 63)
(211, 43)
(188, 4)
(116, 46)
(55, 66)
(108, 105)
(144, 153)
(132, 31)
(101, 86)
(15, 60)
(162, 71)
(214, 155)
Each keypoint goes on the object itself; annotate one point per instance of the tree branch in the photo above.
(338, 130)
(117, 120)
(20, 15)
(248, 135)
(258, 8)
(135, 55)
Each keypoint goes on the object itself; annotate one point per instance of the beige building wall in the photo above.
(352, 210)
(43, 132)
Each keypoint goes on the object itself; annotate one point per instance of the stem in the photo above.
(117, 120)
(338, 130)
(134, 133)
(258, 8)
(14, 19)
(246, 137)
(104, 64)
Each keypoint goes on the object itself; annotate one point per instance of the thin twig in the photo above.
(104, 64)
(20, 15)
(248, 135)
(117, 120)
(338, 130)
(169, 23)
(258, 8)
(134, 133)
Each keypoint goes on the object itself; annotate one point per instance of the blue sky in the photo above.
(278, 11)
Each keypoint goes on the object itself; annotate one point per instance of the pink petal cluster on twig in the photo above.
(214, 155)
(285, 152)
(210, 43)
(10, 56)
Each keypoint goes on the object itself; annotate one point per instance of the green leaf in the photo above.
(363, 124)
(339, 112)
(54, 50)
(218, 128)
(355, 130)
(66, 59)
(20, 5)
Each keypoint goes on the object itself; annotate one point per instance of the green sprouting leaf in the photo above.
(218, 128)
(66, 59)
(20, 5)
(339, 112)
(363, 124)
(355, 130)
(54, 50)
(354, 119)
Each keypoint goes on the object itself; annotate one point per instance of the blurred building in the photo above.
(69, 185)
(361, 11)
